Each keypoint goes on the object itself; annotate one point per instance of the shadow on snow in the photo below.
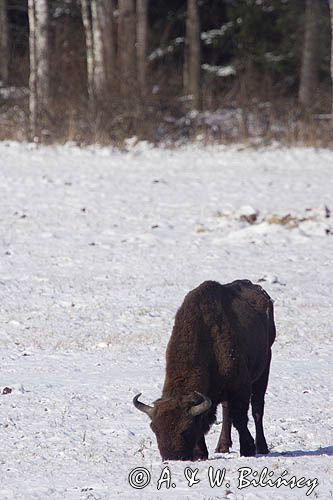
(303, 453)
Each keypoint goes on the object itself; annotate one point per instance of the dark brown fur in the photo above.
(221, 347)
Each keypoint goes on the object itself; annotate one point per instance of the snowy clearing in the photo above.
(98, 249)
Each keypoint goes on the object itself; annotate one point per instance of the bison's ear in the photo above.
(202, 407)
(143, 407)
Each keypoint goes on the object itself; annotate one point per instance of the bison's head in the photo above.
(177, 425)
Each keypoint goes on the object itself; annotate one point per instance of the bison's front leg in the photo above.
(239, 405)
(200, 450)
(225, 442)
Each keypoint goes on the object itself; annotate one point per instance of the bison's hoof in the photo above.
(261, 446)
(248, 451)
(201, 456)
(262, 450)
(222, 448)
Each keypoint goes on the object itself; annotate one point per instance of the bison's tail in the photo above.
(270, 321)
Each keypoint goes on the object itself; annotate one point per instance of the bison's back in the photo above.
(230, 326)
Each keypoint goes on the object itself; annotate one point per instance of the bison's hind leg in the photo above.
(224, 442)
(239, 405)
(257, 403)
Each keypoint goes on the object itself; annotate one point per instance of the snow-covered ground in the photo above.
(98, 249)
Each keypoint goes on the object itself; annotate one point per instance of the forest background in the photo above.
(103, 71)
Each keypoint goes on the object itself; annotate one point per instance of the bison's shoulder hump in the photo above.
(252, 293)
(205, 291)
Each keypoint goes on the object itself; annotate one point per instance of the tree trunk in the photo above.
(39, 82)
(87, 24)
(3, 42)
(192, 69)
(126, 44)
(331, 7)
(97, 18)
(42, 44)
(310, 58)
(109, 41)
(33, 97)
(99, 73)
(142, 31)
(104, 46)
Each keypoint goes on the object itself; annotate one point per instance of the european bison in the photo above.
(219, 352)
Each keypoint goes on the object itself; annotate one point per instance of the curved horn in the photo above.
(142, 407)
(201, 407)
